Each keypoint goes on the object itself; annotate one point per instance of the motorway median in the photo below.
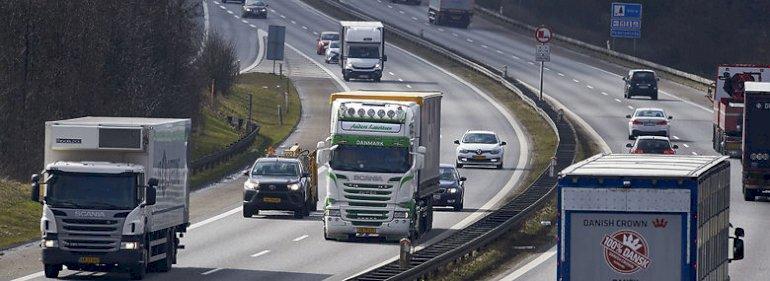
(19, 216)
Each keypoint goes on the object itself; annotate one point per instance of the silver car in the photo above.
(333, 52)
(648, 122)
(480, 148)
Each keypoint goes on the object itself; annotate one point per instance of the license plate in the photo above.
(271, 200)
(643, 87)
(649, 123)
(366, 230)
(89, 260)
(436, 196)
(478, 157)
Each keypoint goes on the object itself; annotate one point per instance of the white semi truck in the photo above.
(362, 52)
(115, 194)
(646, 217)
(381, 164)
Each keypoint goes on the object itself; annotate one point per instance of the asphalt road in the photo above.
(593, 89)
(222, 245)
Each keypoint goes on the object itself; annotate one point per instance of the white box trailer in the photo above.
(115, 193)
(645, 217)
(362, 50)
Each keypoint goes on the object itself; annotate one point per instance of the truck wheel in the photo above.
(458, 165)
(346, 78)
(248, 211)
(377, 79)
(52, 270)
(164, 265)
(138, 271)
(749, 195)
(499, 167)
(458, 206)
(654, 97)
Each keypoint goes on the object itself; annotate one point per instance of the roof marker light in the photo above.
(381, 113)
(370, 112)
(361, 112)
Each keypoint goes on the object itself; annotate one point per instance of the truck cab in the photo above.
(362, 51)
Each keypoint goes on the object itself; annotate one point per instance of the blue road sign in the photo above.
(626, 20)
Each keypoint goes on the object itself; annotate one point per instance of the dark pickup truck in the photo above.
(280, 183)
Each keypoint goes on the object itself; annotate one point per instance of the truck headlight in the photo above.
(251, 185)
(377, 65)
(129, 245)
(50, 244)
(348, 65)
(294, 186)
(401, 214)
(452, 190)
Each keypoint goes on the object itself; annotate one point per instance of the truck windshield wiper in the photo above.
(65, 204)
(106, 205)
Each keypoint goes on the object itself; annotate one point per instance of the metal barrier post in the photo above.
(405, 253)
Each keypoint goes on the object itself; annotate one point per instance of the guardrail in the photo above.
(700, 81)
(499, 222)
(209, 161)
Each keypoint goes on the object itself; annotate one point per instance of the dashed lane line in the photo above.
(260, 253)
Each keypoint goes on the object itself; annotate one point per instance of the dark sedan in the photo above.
(452, 188)
(254, 8)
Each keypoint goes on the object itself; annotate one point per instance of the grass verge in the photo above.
(19, 217)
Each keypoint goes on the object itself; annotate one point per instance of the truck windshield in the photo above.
(364, 51)
(92, 191)
(373, 159)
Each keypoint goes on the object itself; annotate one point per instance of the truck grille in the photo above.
(90, 235)
(367, 203)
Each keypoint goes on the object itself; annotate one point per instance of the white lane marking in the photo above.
(211, 271)
(675, 137)
(283, 17)
(499, 52)
(400, 80)
(530, 265)
(689, 102)
(230, 12)
(315, 33)
(560, 74)
(215, 218)
(389, 6)
(413, 18)
(485, 46)
(323, 67)
(253, 26)
(617, 100)
(272, 10)
(576, 81)
(440, 29)
(300, 238)
(685, 145)
(532, 63)
(605, 93)
(469, 40)
(260, 253)
(694, 153)
(391, 73)
(30, 277)
(244, 21)
(304, 27)
(293, 22)
(401, 12)
(222, 7)
(630, 107)
(216, 3)
(589, 86)
(546, 69)
(408, 86)
(455, 34)
(261, 34)
(236, 16)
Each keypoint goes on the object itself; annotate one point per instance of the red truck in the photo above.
(728, 97)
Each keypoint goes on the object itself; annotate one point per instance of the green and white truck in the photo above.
(381, 164)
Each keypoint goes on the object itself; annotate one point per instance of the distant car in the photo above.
(412, 2)
(276, 183)
(324, 39)
(254, 8)
(333, 52)
(236, 1)
(652, 145)
(648, 121)
(480, 148)
(641, 82)
(451, 188)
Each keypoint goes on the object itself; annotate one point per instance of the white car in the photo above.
(333, 52)
(648, 122)
(480, 148)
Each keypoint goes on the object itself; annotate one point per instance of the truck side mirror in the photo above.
(738, 249)
(675, 147)
(739, 232)
(384, 57)
(322, 157)
(625, 78)
(35, 188)
(657, 78)
(629, 145)
(457, 141)
(503, 143)
(150, 195)
(305, 175)
(463, 179)
(670, 117)
(246, 173)
(628, 116)
(419, 161)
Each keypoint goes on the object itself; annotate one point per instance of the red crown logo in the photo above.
(659, 223)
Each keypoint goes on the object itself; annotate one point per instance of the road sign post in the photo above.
(542, 51)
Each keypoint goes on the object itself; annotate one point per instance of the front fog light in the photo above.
(50, 244)
(129, 245)
(401, 214)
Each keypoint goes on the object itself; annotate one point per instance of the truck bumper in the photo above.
(337, 227)
(120, 257)
(284, 201)
(374, 74)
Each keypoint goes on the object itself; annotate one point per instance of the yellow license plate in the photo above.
(271, 200)
(89, 260)
(366, 230)
(478, 157)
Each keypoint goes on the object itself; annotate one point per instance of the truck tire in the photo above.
(654, 97)
(749, 195)
(164, 265)
(52, 270)
(458, 165)
(139, 270)
(248, 211)
(346, 78)
(459, 206)
(377, 79)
